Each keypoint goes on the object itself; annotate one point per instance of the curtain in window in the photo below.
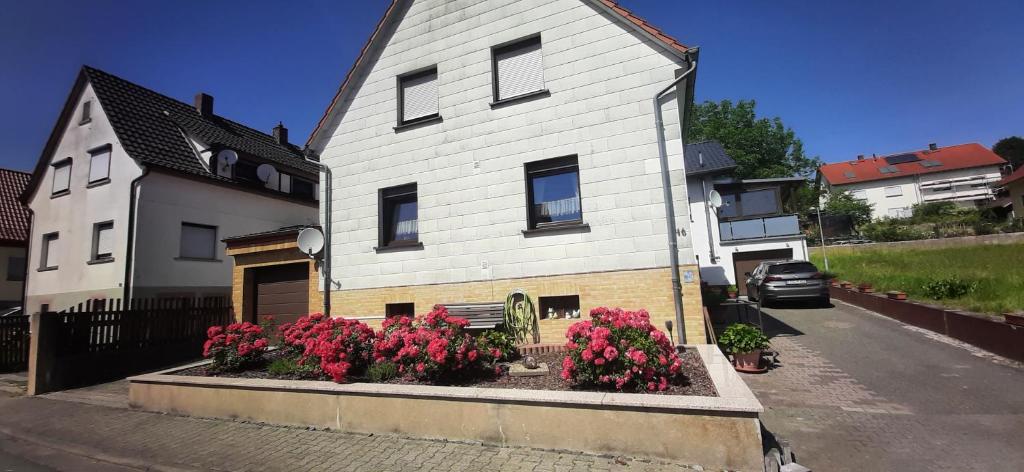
(405, 222)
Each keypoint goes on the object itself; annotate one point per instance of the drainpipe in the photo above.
(326, 263)
(28, 260)
(707, 217)
(666, 184)
(130, 251)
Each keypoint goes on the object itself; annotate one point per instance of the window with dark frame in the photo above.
(246, 171)
(302, 188)
(749, 204)
(99, 164)
(48, 254)
(103, 241)
(417, 97)
(15, 269)
(86, 112)
(399, 309)
(517, 69)
(553, 193)
(198, 241)
(399, 216)
(61, 177)
(559, 307)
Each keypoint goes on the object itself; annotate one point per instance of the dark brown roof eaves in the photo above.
(271, 235)
(14, 216)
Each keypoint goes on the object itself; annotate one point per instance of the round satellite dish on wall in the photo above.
(266, 172)
(310, 241)
(715, 199)
(227, 157)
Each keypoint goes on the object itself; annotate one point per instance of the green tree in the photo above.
(843, 203)
(761, 147)
(1011, 149)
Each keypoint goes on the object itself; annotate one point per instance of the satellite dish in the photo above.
(227, 158)
(715, 199)
(310, 241)
(265, 172)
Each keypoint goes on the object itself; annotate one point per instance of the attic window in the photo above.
(86, 112)
(417, 97)
(889, 170)
(245, 171)
(929, 163)
(850, 175)
(518, 69)
(61, 177)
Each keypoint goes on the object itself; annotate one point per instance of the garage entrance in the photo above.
(281, 291)
(744, 262)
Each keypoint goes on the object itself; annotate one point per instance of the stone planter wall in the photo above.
(720, 432)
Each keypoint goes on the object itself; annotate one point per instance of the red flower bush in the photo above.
(430, 347)
(620, 349)
(332, 346)
(235, 346)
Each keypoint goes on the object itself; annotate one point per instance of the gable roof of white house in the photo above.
(396, 10)
(155, 129)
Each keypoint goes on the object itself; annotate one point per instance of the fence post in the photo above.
(42, 354)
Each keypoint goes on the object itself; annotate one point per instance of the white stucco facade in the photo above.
(469, 168)
(896, 196)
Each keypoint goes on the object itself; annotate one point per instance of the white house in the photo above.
(965, 174)
(135, 190)
(751, 225)
(479, 147)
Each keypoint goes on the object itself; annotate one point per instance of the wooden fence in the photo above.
(105, 340)
(14, 343)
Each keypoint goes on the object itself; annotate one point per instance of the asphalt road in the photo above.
(12, 463)
(857, 391)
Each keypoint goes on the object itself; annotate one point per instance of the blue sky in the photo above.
(849, 77)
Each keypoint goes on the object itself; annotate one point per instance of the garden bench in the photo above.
(480, 315)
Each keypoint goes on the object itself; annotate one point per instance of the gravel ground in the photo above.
(696, 380)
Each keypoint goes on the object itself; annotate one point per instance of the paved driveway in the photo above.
(857, 391)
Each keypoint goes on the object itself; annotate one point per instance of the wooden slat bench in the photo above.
(480, 315)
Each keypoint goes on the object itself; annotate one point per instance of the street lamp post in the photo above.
(821, 231)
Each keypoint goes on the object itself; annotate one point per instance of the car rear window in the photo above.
(794, 268)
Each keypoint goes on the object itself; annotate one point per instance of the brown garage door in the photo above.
(744, 262)
(282, 291)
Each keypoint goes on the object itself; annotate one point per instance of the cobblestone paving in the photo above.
(857, 392)
(202, 444)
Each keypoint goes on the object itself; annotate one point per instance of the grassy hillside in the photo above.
(998, 269)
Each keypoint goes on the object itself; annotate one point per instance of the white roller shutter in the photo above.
(419, 96)
(99, 166)
(105, 241)
(61, 177)
(51, 251)
(520, 69)
(198, 242)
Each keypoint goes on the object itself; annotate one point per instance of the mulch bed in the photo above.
(696, 381)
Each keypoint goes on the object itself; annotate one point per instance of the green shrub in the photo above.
(289, 366)
(382, 371)
(742, 338)
(950, 287)
(495, 341)
(890, 230)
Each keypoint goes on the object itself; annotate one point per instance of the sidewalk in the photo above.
(72, 423)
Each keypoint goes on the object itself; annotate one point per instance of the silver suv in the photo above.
(787, 280)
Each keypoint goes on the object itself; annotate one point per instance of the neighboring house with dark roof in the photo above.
(134, 191)
(753, 224)
(14, 224)
(1014, 186)
(480, 147)
(964, 174)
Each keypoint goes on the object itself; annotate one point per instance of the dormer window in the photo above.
(86, 112)
(246, 171)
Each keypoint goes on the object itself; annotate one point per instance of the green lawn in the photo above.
(999, 270)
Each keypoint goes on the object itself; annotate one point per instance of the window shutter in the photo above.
(419, 96)
(52, 254)
(105, 241)
(99, 166)
(198, 241)
(61, 178)
(520, 69)
(893, 191)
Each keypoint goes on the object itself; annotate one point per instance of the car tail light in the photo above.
(818, 275)
(772, 278)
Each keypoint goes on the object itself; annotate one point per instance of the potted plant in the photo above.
(865, 288)
(896, 295)
(732, 291)
(745, 342)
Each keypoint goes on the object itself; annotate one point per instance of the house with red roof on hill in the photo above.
(14, 224)
(1013, 184)
(965, 174)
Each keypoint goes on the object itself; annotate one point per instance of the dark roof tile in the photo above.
(714, 158)
(14, 217)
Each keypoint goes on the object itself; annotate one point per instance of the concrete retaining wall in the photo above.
(995, 336)
(721, 432)
(1007, 238)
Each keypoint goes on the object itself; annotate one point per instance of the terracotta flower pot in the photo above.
(732, 294)
(749, 362)
(1016, 319)
(845, 284)
(865, 288)
(896, 295)
(833, 282)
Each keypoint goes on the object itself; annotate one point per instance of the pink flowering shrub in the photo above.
(430, 347)
(622, 350)
(235, 346)
(336, 347)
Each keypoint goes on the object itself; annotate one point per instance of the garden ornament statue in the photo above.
(530, 362)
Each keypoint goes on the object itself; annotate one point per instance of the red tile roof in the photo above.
(960, 156)
(611, 4)
(13, 215)
(1017, 175)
